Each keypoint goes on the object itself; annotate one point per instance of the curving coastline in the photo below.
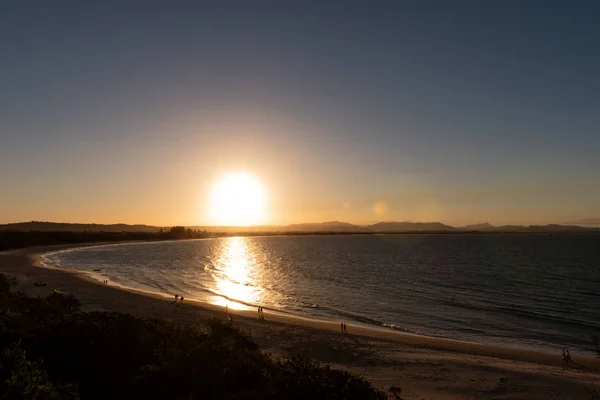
(384, 356)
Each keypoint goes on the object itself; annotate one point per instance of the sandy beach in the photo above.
(424, 367)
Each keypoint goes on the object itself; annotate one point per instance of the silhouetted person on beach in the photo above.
(176, 297)
(566, 356)
(180, 301)
(261, 316)
(345, 328)
(342, 327)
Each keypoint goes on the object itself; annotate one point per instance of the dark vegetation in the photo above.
(50, 349)
(20, 239)
(23, 239)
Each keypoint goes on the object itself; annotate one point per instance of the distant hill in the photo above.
(485, 227)
(331, 226)
(545, 228)
(478, 227)
(236, 229)
(66, 227)
(409, 227)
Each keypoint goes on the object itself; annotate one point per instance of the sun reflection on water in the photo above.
(234, 277)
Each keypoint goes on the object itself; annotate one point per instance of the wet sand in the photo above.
(424, 367)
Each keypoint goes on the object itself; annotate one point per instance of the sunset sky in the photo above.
(451, 111)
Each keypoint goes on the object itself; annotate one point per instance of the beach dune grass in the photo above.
(53, 350)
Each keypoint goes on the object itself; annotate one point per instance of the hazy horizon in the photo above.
(273, 113)
(589, 223)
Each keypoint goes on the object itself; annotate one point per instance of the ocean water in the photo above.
(540, 291)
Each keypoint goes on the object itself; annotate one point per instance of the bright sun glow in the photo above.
(238, 200)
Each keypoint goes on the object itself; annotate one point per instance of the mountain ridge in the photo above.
(329, 226)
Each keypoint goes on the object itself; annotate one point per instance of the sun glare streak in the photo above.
(238, 199)
(234, 279)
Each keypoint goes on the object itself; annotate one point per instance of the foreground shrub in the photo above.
(4, 284)
(305, 379)
(113, 355)
(62, 302)
(24, 379)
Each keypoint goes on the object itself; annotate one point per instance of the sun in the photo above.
(238, 199)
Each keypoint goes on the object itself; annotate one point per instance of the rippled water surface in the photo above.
(524, 290)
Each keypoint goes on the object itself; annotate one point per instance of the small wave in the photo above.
(374, 322)
(403, 328)
(312, 306)
(50, 261)
(472, 330)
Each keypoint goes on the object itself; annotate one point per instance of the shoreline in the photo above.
(508, 351)
(423, 366)
(365, 329)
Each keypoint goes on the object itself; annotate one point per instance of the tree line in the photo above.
(18, 239)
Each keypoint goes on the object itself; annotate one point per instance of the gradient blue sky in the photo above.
(456, 111)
